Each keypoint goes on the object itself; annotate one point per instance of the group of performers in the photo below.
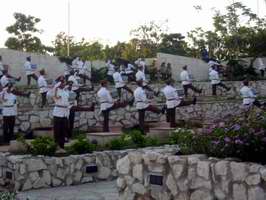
(66, 92)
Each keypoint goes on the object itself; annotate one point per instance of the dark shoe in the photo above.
(194, 100)
(163, 109)
(28, 95)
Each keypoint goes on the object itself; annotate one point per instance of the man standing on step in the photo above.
(248, 95)
(140, 76)
(110, 70)
(73, 108)
(61, 113)
(173, 101)
(215, 81)
(43, 86)
(8, 97)
(107, 104)
(120, 84)
(30, 72)
(143, 105)
(187, 82)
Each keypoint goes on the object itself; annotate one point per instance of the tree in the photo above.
(24, 31)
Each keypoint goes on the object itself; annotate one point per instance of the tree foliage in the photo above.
(24, 33)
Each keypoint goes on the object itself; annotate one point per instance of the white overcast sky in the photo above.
(111, 20)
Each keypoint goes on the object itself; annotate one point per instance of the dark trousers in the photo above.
(190, 86)
(119, 91)
(60, 128)
(214, 87)
(31, 76)
(171, 113)
(141, 113)
(84, 77)
(71, 118)
(106, 114)
(44, 100)
(262, 71)
(8, 128)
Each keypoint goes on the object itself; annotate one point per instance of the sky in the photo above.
(110, 21)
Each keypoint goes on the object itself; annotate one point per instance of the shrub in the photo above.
(242, 137)
(43, 146)
(7, 196)
(81, 146)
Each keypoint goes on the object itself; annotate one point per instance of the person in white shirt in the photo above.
(110, 70)
(141, 63)
(215, 81)
(120, 84)
(4, 79)
(73, 108)
(85, 72)
(173, 101)
(30, 73)
(43, 86)
(8, 97)
(107, 104)
(187, 82)
(140, 76)
(248, 95)
(261, 67)
(130, 71)
(143, 105)
(61, 114)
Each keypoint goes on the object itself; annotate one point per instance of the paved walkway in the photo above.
(91, 191)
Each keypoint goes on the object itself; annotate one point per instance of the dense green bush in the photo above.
(81, 146)
(7, 196)
(242, 137)
(43, 146)
(132, 139)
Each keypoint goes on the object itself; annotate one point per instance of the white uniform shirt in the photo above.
(129, 68)
(4, 81)
(214, 77)
(261, 64)
(80, 66)
(141, 76)
(42, 83)
(172, 99)
(75, 63)
(28, 68)
(9, 104)
(247, 95)
(118, 80)
(61, 108)
(184, 77)
(110, 69)
(105, 99)
(141, 98)
(73, 78)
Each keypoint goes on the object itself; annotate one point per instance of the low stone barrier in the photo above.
(25, 172)
(192, 177)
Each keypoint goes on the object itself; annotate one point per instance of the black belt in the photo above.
(171, 99)
(59, 106)
(9, 106)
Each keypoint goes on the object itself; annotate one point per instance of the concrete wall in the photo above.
(16, 60)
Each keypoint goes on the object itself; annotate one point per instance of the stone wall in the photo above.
(25, 172)
(193, 177)
(30, 116)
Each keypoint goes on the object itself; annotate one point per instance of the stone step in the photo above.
(161, 133)
(103, 138)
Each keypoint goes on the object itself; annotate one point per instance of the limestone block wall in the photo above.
(25, 172)
(193, 177)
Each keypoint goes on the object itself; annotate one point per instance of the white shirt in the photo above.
(110, 68)
(247, 95)
(184, 77)
(61, 108)
(141, 76)
(73, 78)
(28, 68)
(261, 64)
(118, 80)
(211, 63)
(80, 65)
(141, 98)
(4, 80)
(105, 99)
(75, 63)
(129, 68)
(42, 83)
(214, 77)
(172, 99)
(9, 104)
